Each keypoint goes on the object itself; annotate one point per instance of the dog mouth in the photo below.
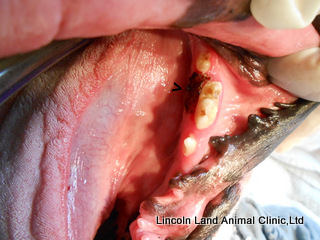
(104, 148)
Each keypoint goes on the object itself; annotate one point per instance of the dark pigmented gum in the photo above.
(249, 65)
(316, 23)
(241, 153)
(261, 138)
(203, 11)
(221, 206)
(237, 155)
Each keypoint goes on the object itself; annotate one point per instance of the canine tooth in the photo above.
(298, 73)
(203, 63)
(189, 145)
(207, 106)
(285, 14)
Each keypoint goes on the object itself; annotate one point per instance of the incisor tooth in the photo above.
(207, 106)
(298, 73)
(203, 63)
(285, 14)
(189, 145)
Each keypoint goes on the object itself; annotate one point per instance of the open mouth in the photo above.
(106, 149)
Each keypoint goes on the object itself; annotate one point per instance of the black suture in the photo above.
(193, 90)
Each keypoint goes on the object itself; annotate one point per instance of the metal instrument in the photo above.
(18, 70)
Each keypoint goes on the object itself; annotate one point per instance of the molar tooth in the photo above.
(203, 63)
(207, 106)
(189, 145)
(298, 73)
(285, 14)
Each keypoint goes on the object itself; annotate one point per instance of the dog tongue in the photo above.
(108, 132)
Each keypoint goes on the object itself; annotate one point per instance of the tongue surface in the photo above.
(109, 132)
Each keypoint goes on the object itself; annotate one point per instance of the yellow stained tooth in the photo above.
(207, 106)
(189, 145)
(203, 63)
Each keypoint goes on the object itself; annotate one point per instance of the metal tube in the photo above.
(17, 71)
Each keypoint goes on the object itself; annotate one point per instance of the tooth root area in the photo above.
(203, 63)
(285, 14)
(189, 145)
(298, 73)
(207, 106)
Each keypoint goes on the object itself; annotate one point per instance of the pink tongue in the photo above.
(112, 128)
(128, 133)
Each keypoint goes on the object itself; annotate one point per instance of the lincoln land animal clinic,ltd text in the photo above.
(292, 220)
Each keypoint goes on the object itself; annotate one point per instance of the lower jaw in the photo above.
(120, 128)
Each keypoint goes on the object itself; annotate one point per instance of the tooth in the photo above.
(207, 105)
(298, 73)
(285, 14)
(189, 145)
(203, 63)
